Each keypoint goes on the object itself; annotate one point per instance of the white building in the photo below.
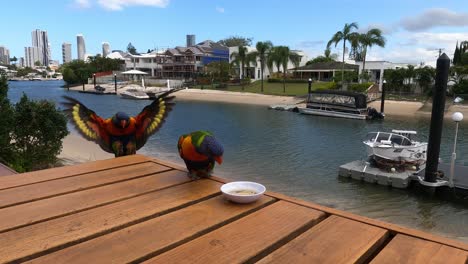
(254, 71)
(376, 69)
(31, 56)
(66, 52)
(41, 41)
(80, 46)
(105, 49)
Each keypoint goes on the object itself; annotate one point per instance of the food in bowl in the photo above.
(242, 191)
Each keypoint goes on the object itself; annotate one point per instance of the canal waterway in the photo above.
(294, 154)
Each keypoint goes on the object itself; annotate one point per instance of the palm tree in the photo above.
(263, 49)
(239, 58)
(344, 36)
(281, 56)
(369, 39)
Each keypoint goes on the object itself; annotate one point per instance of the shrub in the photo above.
(325, 86)
(275, 80)
(359, 87)
(461, 87)
(37, 134)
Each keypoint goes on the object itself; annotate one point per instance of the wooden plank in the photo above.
(406, 249)
(33, 212)
(334, 240)
(246, 238)
(151, 237)
(393, 228)
(61, 172)
(32, 192)
(39, 239)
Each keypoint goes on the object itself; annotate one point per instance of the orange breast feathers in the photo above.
(116, 131)
(188, 151)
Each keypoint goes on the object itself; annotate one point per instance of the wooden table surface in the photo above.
(139, 209)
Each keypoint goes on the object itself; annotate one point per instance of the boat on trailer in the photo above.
(398, 147)
(343, 104)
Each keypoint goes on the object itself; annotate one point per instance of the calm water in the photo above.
(294, 154)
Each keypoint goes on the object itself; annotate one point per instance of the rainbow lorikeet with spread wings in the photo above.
(120, 134)
(200, 150)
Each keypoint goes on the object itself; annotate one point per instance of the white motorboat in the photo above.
(135, 94)
(397, 146)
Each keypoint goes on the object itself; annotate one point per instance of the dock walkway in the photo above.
(140, 209)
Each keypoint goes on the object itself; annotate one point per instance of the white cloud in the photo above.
(220, 9)
(82, 3)
(433, 18)
(386, 29)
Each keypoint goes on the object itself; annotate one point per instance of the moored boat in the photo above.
(342, 104)
(396, 147)
(134, 94)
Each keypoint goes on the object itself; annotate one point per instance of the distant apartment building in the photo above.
(20, 63)
(80, 46)
(41, 41)
(32, 55)
(4, 55)
(190, 40)
(187, 62)
(105, 49)
(66, 52)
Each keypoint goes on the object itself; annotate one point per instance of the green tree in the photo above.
(6, 122)
(218, 70)
(235, 41)
(37, 134)
(131, 49)
(361, 42)
(282, 55)
(425, 78)
(14, 59)
(344, 35)
(37, 63)
(326, 57)
(263, 49)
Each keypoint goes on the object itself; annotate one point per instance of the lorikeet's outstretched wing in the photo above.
(152, 117)
(87, 122)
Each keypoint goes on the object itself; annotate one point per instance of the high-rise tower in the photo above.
(190, 40)
(105, 49)
(80, 45)
(66, 52)
(41, 40)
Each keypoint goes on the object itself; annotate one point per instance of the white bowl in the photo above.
(229, 190)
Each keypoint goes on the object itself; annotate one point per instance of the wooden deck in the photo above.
(138, 209)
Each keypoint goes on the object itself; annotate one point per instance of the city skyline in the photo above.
(414, 33)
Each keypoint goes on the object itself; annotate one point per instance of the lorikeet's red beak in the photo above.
(219, 159)
(123, 123)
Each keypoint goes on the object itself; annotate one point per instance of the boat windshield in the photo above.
(400, 140)
(385, 137)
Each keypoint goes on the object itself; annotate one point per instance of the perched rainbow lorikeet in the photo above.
(200, 150)
(120, 134)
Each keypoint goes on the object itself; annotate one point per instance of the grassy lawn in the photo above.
(292, 89)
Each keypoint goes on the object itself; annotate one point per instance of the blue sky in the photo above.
(413, 28)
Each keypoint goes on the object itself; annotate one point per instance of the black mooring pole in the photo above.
(437, 118)
(115, 82)
(382, 99)
(94, 81)
(310, 86)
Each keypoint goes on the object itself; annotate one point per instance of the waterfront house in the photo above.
(253, 70)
